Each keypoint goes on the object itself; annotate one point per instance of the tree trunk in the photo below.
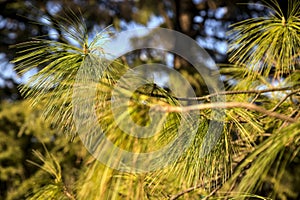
(185, 11)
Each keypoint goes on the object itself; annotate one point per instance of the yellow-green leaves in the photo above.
(268, 45)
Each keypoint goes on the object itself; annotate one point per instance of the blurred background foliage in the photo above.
(37, 161)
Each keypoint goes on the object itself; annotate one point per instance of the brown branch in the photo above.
(176, 196)
(285, 98)
(295, 112)
(225, 105)
(212, 193)
(191, 189)
(234, 92)
(67, 193)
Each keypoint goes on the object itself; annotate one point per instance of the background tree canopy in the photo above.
(206, 21)
(257, 155)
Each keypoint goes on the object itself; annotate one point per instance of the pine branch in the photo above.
(285, 98)
(191, 189)
(227, 105)
(67, 193)
(176, 196)
(234, 92)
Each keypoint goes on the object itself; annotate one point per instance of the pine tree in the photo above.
(261, 126)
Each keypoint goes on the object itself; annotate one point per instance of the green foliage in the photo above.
(268, 43)
(253, 152)
(52, 89)
(55, 90)
(265, 53)
(22, 130)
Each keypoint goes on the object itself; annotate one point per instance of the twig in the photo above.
(225, 105)
(256, 97)
(176, 196)
(285, 98)
(212, 193)
(234, 92)
(67, 193)
(291, 115)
